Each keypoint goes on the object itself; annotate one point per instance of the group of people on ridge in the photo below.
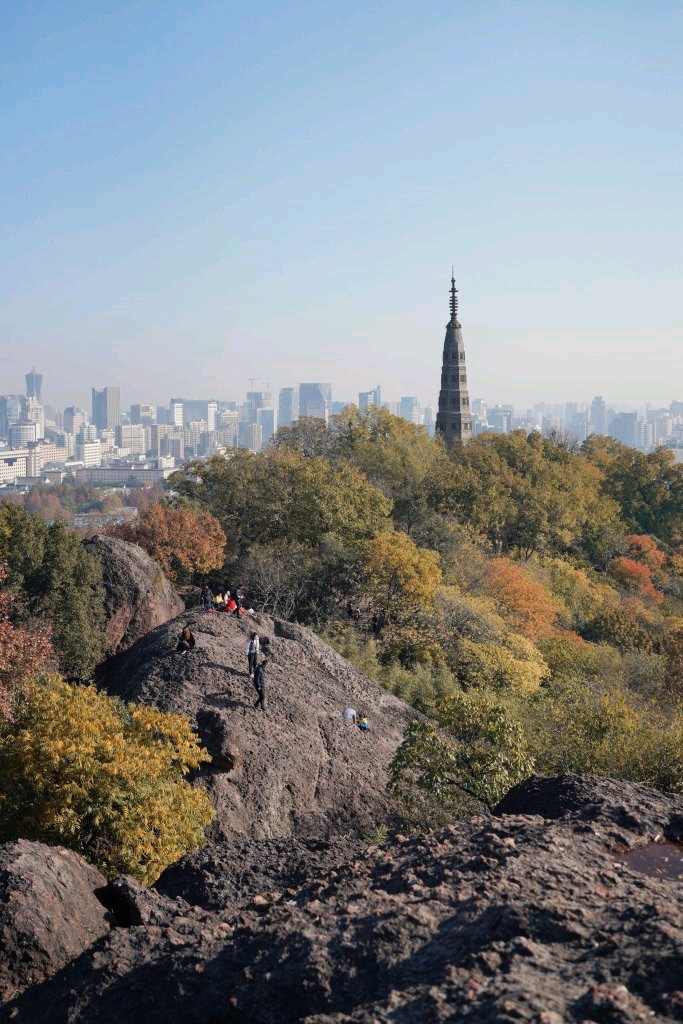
(223, 602)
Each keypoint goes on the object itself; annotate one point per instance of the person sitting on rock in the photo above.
(252, 651)
(186, 641)
(350, 716)
(219, 601)
(260, 685)
(231, 605)
(363, 723)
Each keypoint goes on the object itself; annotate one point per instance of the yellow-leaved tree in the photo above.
(84, 770)
(400, 577)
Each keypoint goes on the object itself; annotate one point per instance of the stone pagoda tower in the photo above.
(453, 420)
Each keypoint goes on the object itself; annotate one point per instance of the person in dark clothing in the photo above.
(260, 685)
(207, 599)
(186, 641)
(252, 651)
(239, 597)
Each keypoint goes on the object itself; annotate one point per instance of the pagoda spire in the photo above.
(454, 300)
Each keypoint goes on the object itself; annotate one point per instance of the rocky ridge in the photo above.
(297, 769)
(504, 918)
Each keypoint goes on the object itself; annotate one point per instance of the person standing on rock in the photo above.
(207, 599)
(253, 649)
(260, 685)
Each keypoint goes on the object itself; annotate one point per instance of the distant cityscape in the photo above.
(105, 445)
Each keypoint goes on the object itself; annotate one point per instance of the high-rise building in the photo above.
(624, 427)
(35, 413)
(34, 384)
(266, 420)
(132, 437)
(23, 433)
(409, 409)
(143, 413)
(195, 409)
(106, 407)
(176, 412)
(288, 407)
(370, 399)
(12, 408)
(453, 421)
(598, 416)
(315, 401)
(89, 453)
(500, 419)
(250, 436)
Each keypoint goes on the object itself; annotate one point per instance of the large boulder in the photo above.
(298, 768)
(138, 597)
(496, 920)
(49, 912)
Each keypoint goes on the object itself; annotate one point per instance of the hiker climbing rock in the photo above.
(260, 685)
(252, 651)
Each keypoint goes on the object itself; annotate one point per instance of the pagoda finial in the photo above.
(454, 299)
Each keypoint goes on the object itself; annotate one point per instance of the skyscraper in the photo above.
(370, 399)
(34, 383)
(409, 408)
(598, 417)
(315, 401)
(106, 407)
(288, 407)
(453, 420)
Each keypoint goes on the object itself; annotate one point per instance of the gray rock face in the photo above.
(298, 768)
(509, 918)
(49, 912)
(138, 597)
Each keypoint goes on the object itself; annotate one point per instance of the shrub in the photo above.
(474, 751)
(513, 664)
(85, 771)
(577, 729)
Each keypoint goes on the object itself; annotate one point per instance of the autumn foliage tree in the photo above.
(636, 578)
(83, 770)
(24, 651)
(184, 540)
(524, 602)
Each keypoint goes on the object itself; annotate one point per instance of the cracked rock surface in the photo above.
(520, 916)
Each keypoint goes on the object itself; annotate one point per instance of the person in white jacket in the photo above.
(252, 651)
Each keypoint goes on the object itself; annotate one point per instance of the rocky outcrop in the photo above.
(49, 912)
(296, 769)
(507, 918)
(138, 597)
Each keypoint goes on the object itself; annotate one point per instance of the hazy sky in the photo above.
(196, 193)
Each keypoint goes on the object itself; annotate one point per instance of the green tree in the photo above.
(282, 495)
(474, 749)
(57, 580)
(82, 770)
(648, 488)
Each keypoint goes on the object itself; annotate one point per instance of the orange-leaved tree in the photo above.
(643, 548)
(523, 602)
(24, 652)
(184, 540)
(636, 578)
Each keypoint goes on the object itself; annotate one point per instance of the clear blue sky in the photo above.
(193, 194)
